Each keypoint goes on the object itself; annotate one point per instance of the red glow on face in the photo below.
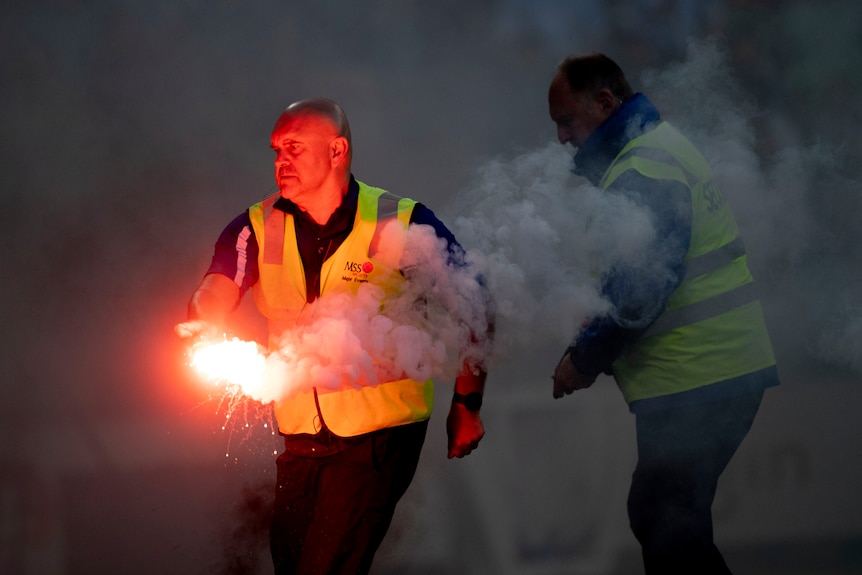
(301, 143)
(367, 267)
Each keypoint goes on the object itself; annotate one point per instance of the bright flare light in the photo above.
(234, 361)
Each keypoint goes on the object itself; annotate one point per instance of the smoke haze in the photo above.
(133, 132)
(428, 327)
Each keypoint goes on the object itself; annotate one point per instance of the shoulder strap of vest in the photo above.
(273, 252)
(381, 207)
(647, 155)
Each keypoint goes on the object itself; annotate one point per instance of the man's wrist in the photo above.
(581, 364)
(472, 401)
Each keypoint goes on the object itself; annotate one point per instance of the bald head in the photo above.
(326, 109)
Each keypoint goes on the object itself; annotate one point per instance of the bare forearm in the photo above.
(470, 380)
(464, 424)
(214, 299)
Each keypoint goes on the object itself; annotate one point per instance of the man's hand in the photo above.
(210, 305)
(567, 379)
(197, 328)
(465, 430)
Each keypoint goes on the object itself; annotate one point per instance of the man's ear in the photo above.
(338, 150)
(607, 101)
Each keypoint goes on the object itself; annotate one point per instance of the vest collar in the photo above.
(634, 117)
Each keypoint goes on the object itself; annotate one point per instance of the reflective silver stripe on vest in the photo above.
(387, 208)
(706, 309)
(658, 155)
(715, 259)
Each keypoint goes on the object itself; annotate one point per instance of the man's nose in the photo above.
(563, 134)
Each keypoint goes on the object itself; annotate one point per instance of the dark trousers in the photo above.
(682, 451)
(335, 497)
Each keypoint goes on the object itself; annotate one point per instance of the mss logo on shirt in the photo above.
(355, 267)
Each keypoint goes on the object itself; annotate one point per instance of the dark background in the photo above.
(132, 132)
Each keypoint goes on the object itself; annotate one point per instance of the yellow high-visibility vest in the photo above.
(713, 328)
(370, 253)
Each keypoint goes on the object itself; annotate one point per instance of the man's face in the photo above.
(303, 159)
(576, 116)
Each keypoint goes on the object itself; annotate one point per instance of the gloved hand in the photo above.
(197, 328)
(567, 379)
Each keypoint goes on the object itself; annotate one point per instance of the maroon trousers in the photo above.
(335, 498)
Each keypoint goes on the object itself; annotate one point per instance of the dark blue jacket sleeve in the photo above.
(235, 254)
(423, 215)
(457, 258)
(638, 292)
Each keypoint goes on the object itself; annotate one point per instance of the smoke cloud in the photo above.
(544, 237)
(540, 237)
(430, 326)
(782, 197)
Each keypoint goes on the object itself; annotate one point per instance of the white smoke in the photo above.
(540, 237)
(438, 321)
(701, 97)
(789, 196)
(538, 240)
(544, 237)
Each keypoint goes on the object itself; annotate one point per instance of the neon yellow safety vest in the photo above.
(370, 253)
(712, 328)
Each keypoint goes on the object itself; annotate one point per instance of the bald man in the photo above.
(350, 454)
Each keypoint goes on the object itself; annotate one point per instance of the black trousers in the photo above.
(682, 451)
(335, 498)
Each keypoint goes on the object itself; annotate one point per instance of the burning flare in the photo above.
(236, 362)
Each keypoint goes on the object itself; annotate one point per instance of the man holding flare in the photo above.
(350, 451)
